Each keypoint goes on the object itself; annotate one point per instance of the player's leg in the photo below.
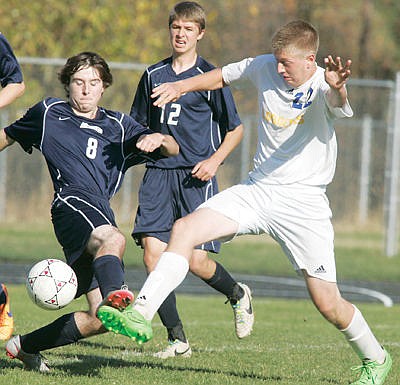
(238, 294)
(85, 227)
(199, 227)
(226, 214)
(194, 229)
(301, 223)
(6, 317)
(376, 361)
(178, 344)
(107, 245)
(193, 194)
(65, 330)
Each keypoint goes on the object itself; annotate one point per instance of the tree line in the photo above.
(367, 31)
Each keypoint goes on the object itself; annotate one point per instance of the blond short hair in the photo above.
(297, 34)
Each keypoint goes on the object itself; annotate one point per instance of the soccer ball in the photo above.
(51, 284)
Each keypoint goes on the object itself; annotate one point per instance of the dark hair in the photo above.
(190, 11)
(84, 60)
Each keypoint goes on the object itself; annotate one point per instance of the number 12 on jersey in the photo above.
(173, 114)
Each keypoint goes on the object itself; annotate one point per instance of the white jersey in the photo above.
(296, 138)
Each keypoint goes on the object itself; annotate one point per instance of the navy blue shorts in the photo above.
(166, 195)
(74, 217)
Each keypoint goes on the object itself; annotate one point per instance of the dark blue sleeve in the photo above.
(140, 106)
(27, 131)
(10, 70)
(224, 110)
(134, 131)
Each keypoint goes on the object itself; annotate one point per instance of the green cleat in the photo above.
(373, 373)
(128, 322)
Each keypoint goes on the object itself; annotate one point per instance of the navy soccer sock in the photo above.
(170, 318)
(63, 331)
(109, 272)
(223, 282)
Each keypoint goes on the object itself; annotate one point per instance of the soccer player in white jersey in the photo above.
(284, 194)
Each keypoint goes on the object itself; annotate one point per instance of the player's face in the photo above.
(184, 36)
(295, 66)
(85, 91)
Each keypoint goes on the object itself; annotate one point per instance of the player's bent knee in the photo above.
(329, 310)
(150, 261)
(115, 239)
(182, 228)
(201, 265)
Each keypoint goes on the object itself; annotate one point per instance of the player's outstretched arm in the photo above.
(167, 144)
(336, 75)
(170, 92)
(11, 92)
(5, 140)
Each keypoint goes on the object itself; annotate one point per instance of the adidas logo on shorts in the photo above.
(320, 270)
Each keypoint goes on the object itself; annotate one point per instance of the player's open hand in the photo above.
(165, 93)
(205, 169)
(336, 73)
(149, 143)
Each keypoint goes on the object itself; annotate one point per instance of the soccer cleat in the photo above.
(118, 299)
(33, 361)
(6, 318)
(128, 322)
(175, 348)
(243, 313)
(373, 373)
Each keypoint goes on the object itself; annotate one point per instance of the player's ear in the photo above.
(201, 34)
(310, 58)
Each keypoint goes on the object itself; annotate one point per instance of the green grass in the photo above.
(291, 345)
(359, 254)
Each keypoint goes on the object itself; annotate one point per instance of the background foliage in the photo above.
(136, 30)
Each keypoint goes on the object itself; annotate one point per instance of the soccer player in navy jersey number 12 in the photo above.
(87, 149)
(207, 127)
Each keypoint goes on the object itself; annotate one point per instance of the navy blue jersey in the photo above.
(197, 120)
(82, 154)
(10, 71)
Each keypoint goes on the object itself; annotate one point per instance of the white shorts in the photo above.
(298, 218)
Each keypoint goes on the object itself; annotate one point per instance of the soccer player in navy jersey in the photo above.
(285, 193)
(207, 127)
(87, 149)
(12, 83)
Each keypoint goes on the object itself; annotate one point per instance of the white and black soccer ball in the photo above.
(51, 284)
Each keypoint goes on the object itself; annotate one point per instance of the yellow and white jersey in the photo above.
(296, 138)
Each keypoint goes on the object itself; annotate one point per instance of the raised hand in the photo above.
(165, 93)
(336, 74)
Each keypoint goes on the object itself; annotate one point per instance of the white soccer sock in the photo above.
(168, 274)
(362, 340)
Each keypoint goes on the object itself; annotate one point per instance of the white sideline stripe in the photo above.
(386, 300)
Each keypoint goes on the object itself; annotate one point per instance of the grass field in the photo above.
(291, 345)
